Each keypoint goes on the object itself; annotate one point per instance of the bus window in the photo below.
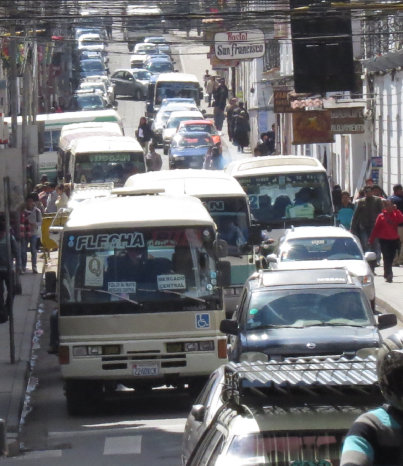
(51, 140)
(127, 271)
(274, 198)
(108, 166)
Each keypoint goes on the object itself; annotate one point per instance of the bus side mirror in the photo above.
(220, 248)
(224, 273)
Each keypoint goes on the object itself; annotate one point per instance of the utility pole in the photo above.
(12, 79)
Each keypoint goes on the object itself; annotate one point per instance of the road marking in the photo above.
(128, 445)
(41, 454)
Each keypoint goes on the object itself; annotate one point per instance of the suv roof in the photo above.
(313, 277)
(317, 231)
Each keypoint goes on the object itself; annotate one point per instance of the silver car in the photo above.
(127, 83)
(325, 247)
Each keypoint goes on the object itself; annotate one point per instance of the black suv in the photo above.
(284, 313)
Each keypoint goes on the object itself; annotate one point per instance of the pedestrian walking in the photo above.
(211, 86)
(241, 131)
(375, 438)
(336, 197)
(62, 198)
(206, 78)
(229, 111)
(365, 214)
(386, 230)
(144, 133)
(108, 22)
(30, 232)
(220, 101)
(51, 198)
(153, 159)
(397, 199)
(345, 212)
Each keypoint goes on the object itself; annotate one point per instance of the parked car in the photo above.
(141, 75)
(327, 247)
(110, 87)
(202, 125)
(91, 42)
(140, 52)
(81, 30)
(161, 42)
(88, 54)
(280, 413)
(284, 313)
(164, 113)
(126, 83)
(97, 87)
(92, 67)
(173, 122)
(190, 150)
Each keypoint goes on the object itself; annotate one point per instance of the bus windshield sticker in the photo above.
(107, 241)
(122, 287)
(94, 271)
(110, 158)
(215, 206)
(171, 282)
(202, 320)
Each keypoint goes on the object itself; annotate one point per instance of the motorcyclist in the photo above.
(376, 437)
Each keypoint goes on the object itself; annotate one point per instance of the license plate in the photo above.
(145, 370)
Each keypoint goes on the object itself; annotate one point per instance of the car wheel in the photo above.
(165, 150)
(138, 94)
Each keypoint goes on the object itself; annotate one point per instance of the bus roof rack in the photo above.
(309, 380)
(130, 191)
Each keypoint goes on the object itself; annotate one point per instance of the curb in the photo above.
(388, 308)
(21, 373)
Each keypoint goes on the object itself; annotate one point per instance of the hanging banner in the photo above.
(312, 127)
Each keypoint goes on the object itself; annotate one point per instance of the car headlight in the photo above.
(366, 279)
(178, 157)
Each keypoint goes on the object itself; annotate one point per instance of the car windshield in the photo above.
(176, 89)
(160, 67)
(143, 75)
(174, 122)
(106, 167)
(308, 307)
(132, 271)
(89, 102)
(207, 128)
(295, 196)
(314, 249)
(91, 43)
(92, 65)
(283, 448)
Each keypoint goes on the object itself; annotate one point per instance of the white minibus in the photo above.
(228, 205)
(140, 295)
(285, 190)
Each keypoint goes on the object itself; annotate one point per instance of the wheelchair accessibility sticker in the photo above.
(202, 320)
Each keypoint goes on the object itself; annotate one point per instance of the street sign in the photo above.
(239, 45)
(347, 120)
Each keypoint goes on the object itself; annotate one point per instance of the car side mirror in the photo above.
(221, 248)
(198, 412)
(255, 234)
(386, 321)
(370, 256)
(229, 327)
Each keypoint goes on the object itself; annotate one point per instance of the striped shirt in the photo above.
(375, 439)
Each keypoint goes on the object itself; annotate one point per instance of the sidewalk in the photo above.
(389, 296)
(13, 377)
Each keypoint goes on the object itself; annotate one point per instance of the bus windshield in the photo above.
(302, 197)
(130, 271)
(106, 167)
(232, 219)
(176, 89)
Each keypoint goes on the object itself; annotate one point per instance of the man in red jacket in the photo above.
(386, 230)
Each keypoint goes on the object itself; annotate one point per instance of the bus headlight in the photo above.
(95, 350)
(199, 346)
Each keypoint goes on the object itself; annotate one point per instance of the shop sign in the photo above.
(281, 100)
(239, 45)
(377, 162)
(312, 127)
(347, 120)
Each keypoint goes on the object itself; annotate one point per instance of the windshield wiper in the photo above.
(335, 324)
(262, 327)
(123, 298)
(183, 295)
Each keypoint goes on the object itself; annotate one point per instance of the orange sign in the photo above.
(312, 127)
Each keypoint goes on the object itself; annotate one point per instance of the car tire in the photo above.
(138, 95)
(165, 150)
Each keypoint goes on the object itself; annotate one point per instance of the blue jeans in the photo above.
(33, 242)
(364, 235)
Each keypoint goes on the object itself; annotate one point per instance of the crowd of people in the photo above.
(377, 220)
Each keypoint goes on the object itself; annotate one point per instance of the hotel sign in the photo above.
(239, 45)
(347, 120)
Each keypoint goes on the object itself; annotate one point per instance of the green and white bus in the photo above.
(140, 295)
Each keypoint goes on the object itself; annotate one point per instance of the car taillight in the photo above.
(64, 355)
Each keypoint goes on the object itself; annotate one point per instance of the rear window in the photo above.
(307, 249)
